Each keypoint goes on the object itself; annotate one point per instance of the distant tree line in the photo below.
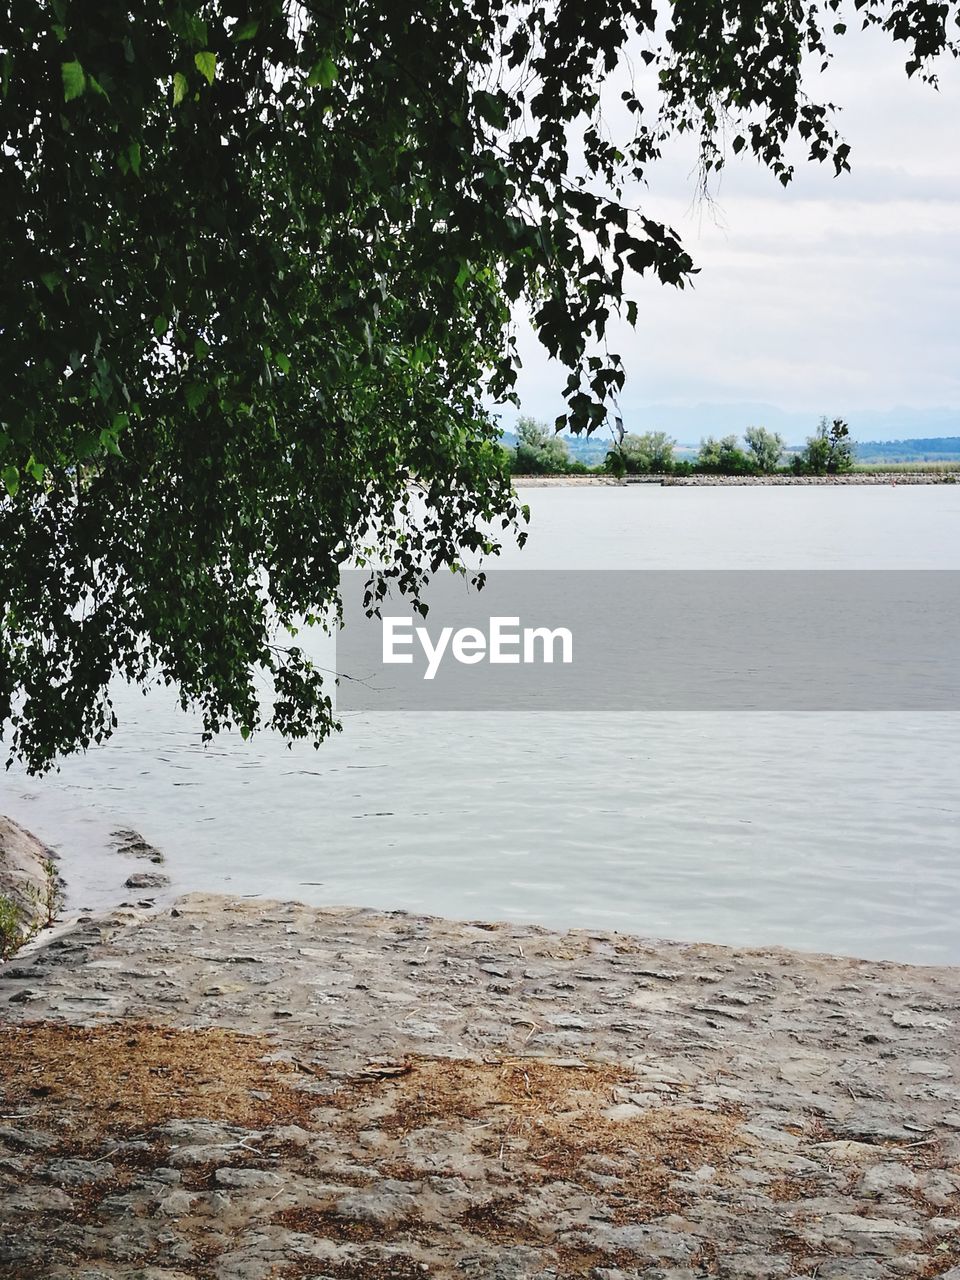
(829, 451)
(927, 449)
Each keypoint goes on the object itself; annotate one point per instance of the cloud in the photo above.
(836, 294)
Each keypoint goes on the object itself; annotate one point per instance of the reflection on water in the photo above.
(822, 831)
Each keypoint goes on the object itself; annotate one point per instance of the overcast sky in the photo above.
(837, 295)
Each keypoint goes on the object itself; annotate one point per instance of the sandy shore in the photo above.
(233, 1090)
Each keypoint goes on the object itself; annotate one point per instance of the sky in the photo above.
(838, 295)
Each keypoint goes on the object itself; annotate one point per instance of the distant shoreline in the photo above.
(848, 478)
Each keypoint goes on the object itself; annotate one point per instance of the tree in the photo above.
(256, 301)
(766, 447)
(829, 450)
(639, 455)
(539, 450)
(723, 457)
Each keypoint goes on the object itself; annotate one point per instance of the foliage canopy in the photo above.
(723, 457)
(260, 265)
(641, 454)
(828, 451)
(539, 450)
(766, 448)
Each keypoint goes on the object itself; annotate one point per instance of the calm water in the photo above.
(836, 832)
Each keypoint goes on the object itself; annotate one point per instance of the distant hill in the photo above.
(932, 449)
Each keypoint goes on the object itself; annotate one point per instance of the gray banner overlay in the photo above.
(627, 640)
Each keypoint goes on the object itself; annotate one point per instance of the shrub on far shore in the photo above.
(723, 457)
(766, 448)
(637, 455)
(828, 451)
(539, 451)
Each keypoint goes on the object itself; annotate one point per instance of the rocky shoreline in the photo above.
(31, 889)
(236, 1090)
(706, 482)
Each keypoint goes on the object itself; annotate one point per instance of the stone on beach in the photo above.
(517, 1103)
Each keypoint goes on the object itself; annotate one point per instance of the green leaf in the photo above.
(490, 107)
(324, 73)
(109, 442)
(283, 363)
(206, 64)
(192, 28)
(201, 349)
(35, 468)
(179, 88)
(51, 279)
(195, 395)
(87, 445)
(74, 80)
(246, 30)
(133, 155)
(11, 479)
(160, 326)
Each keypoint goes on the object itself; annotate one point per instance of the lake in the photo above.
(826, 831)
